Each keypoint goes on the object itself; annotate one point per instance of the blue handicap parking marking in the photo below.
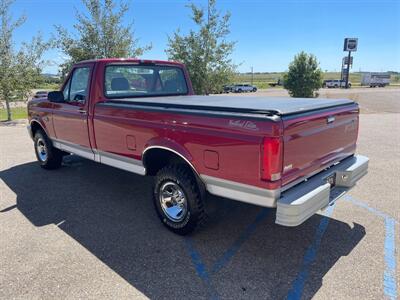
(311, 253)
(226, 257)
(389, 275)
(232, 250)
(296, 291)
(200, 267)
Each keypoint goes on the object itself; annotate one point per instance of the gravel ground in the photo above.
(90, 231)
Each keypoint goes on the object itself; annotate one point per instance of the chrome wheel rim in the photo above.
(41, 150)
(173, 201)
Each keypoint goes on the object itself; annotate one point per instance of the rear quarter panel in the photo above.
(234, 142)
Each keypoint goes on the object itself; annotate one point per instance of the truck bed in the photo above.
(281, 106)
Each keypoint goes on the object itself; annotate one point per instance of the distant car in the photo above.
(278, 83)
(227, 88)
(334, 83)
(243, 88)
(40, 94)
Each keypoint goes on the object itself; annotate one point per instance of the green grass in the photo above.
(48, 86)
(16, 113)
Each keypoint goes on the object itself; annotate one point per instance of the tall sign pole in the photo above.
(341, 70)
(350, 44)
(348, 70)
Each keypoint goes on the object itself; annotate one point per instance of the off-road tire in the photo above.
(181, 175)
(53, 158)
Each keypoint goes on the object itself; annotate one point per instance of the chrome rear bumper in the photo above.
(303, 200)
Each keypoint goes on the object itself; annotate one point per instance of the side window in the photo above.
(66, 90)
(78, 87)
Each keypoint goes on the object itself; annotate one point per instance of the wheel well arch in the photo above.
(35, 126)
(155, 158)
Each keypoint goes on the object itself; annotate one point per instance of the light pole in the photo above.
(207, 47)
(348, 70)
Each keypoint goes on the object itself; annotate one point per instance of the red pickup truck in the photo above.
(296, 155)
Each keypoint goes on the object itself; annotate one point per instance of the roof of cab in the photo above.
(131, 60)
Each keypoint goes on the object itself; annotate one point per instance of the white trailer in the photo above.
(375, 79)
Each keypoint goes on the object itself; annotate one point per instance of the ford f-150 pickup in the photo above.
(295, 155)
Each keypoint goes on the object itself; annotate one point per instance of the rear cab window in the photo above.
(126, 81)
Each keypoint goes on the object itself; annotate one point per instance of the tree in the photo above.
(205, 51)
(19, 70)
(304, 76)
(100, 34)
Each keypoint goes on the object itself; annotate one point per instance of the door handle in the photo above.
(82, 111)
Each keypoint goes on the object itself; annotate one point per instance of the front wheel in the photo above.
(48, 156)
(178, 200)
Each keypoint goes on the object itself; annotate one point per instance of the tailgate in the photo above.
(316, 140)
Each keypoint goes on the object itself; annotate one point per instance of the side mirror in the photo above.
(56, 97)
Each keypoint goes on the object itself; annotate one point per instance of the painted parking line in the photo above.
(296, 291)
(232, 250)
(201, 268)
(389, 275)
(297, 288)
(367, 207)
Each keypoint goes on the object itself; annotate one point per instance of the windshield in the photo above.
(122, 81)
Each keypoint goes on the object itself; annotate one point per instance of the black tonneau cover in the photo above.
(269, 105)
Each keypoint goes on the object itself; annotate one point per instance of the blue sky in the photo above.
(268, 33)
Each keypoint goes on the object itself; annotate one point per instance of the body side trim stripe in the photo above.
(73, 148)
(122, 162)
(241, 192)
(114, 160)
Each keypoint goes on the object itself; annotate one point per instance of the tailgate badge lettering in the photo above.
(243, 124)
(287, 168)
(330, 119)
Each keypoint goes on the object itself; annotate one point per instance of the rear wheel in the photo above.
(178, 200)
(48, 156)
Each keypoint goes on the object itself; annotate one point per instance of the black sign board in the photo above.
(350, 44)
(346, 60)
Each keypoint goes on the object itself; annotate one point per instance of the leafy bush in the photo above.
(304, 76)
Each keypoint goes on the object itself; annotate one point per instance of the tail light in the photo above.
(271, 159)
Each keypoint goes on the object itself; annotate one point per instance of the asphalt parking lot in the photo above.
(90, 231)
